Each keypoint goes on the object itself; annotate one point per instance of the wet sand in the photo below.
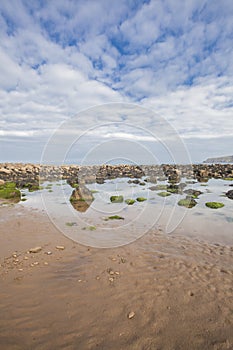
(179, 291)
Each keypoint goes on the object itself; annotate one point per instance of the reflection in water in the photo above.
(81, 198)
(90, 204)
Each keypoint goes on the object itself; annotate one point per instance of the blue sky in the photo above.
(58, 58)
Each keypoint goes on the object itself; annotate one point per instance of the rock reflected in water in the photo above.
(81, 198)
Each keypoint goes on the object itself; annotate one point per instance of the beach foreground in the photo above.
(160, 292)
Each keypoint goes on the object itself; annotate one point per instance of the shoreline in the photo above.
(24, 173)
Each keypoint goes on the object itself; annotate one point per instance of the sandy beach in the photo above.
(161, 292)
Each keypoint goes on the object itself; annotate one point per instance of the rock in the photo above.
(114, 217)
(187, 202)
(60, 247)
(194, 193)
(48, 253)
(141, 199)
(229, 194)
(5, 171)
(35, 250)
(214, 205)
(130, 201)
(81, 198)
(116, 199)
(9, 192)
(164, 194)
(131, 315)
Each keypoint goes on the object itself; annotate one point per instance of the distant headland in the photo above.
(225, 159)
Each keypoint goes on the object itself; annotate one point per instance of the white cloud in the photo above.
(60, 57)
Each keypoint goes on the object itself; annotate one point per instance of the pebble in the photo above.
(60, 247)
(117, 272)
(191, 293)
(14, 255)
(48, 253)
(131, 315)
(35, 250)
(111, 279)
(25, 258)
(36, 263)
(46, 263)
(20, 269)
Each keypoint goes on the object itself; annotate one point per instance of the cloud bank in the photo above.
(58, 58)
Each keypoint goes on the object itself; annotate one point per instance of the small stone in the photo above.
(60, 247)
(111, 279)
(123, 260)
(46, 263)
(131, 314)
(113, 259)
(191, 293)
(97, 277)
(79, 280)
(32, 264)
(36, 263)
(14, 255)
(117, 272)
(48, 253)
(35, 250)
(111, 272)
(20, 269)
(26, 258)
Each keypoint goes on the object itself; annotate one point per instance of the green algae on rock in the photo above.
(116, 199)
(158, 188)
(130, 201)
(141, 199)
(187, 202)
(9, 191)
(214, 205)
(164, 194)
(114, 217)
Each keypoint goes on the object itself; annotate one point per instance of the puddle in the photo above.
(90, 225)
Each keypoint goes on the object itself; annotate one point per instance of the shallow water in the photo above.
(91, 227)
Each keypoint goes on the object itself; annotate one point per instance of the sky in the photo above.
(136, 64)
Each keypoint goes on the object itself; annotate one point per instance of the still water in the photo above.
(92, 227)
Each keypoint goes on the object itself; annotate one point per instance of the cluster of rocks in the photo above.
(24, 174)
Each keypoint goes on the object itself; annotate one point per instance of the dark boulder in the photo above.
(229, 194)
